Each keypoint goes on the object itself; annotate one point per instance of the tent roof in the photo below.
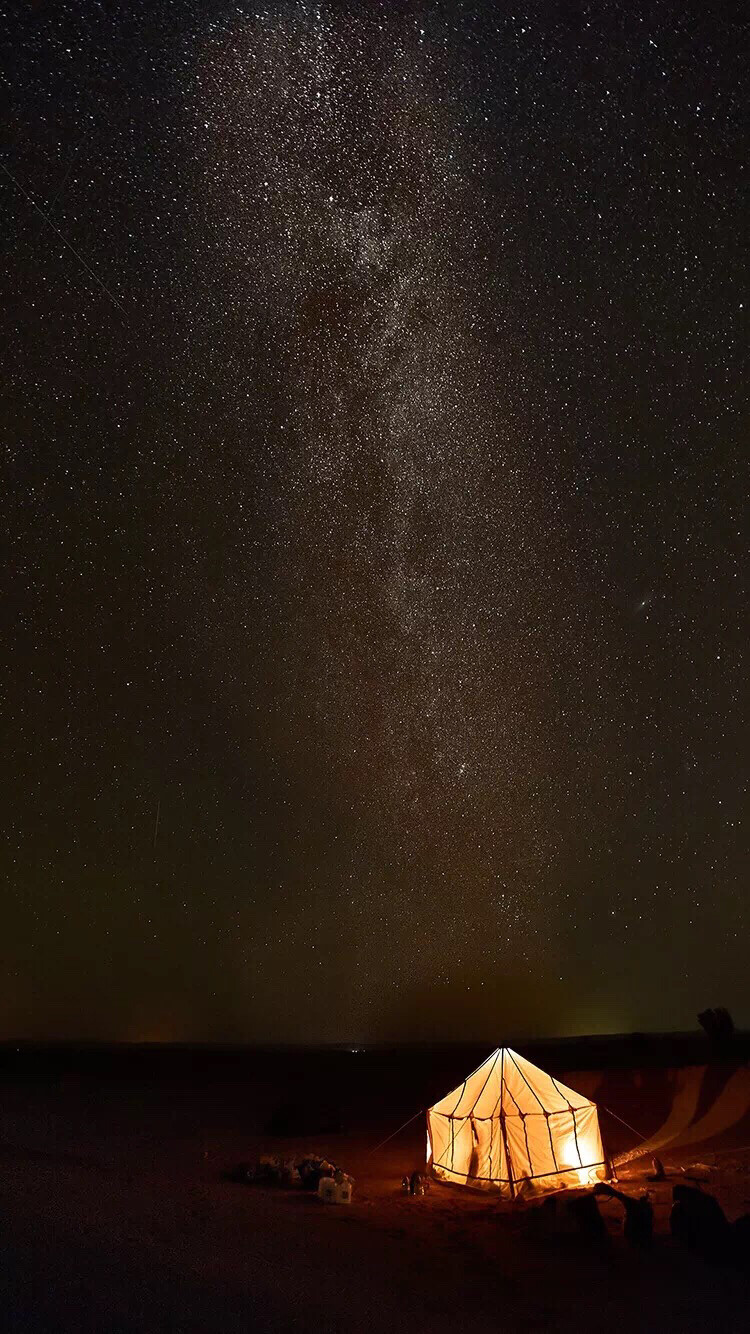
(509, 1084)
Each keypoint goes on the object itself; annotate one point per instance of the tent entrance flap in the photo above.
(512, 1128)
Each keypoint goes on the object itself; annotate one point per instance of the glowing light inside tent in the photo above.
(570, 1154)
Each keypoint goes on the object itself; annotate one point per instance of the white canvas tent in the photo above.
(511, 1127)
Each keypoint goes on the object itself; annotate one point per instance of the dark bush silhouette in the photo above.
(718, 1026)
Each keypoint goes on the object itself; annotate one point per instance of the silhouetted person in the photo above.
(638, 1229)
(573, 1219)
(698, 1222)
(589, 1223)
(740, 1242)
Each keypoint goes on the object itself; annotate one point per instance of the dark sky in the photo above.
(376, 461)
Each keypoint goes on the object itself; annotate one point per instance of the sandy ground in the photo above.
(116, 1216)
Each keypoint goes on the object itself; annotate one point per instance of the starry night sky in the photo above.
(374, 601)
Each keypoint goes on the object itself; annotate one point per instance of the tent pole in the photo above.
(502, 1129)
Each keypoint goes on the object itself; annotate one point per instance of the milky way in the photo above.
(423, 583)
(395, 496)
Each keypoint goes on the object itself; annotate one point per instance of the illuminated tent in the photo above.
(511, 1127)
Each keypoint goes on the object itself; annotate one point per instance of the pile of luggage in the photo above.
(268, 1170)
(310, 1171)
(336, 1189)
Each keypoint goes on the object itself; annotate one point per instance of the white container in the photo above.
(343, 1192)
(327, 1190)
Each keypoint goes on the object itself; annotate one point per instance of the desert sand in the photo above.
(117, 1214)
